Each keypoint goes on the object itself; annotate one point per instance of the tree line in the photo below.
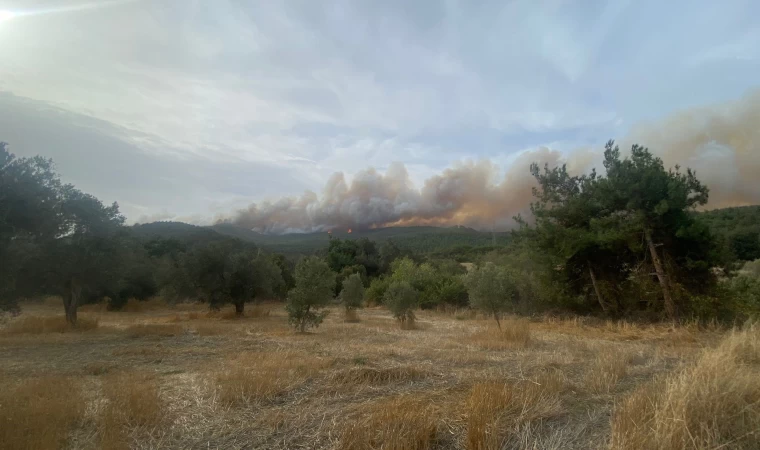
(626, 243)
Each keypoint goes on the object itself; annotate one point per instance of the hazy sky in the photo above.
(181, 108)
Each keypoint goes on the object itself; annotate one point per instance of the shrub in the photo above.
(376, 290)
(401, 299)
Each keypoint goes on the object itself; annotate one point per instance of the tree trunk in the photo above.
(498, 322)
(670, 307)
(303, 319)
(596, 288)
(239, 308)
(71, 301)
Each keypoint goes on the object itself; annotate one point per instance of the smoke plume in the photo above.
(722, 143)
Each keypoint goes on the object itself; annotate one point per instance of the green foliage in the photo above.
(315, 284)
(599, 231)
(745, 245)
(406, 240)
(358, 256)
(401, 299)
(744, 290)
(228, 272)
(347, 272)
(376, 290)
(539, 286)
(286, 269)
(352, 295)
(491, 290)
(30, 210)
(737, 230)
(435, 281)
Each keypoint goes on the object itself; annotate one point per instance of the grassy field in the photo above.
(157, 376)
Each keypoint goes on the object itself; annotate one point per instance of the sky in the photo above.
(191, 109)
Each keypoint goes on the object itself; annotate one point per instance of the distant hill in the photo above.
(731, 224)
(176, 230)
(727, 221)
(417, 239)
(737, 229)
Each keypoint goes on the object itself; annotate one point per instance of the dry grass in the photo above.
(351, 316)
(48, 324)
(378, 376)
(258, 376)
(496, 410)
(457, 384)
(514, 333)
(132, 402)
(152, 304)
(713, 404)
(154, 330)
(39, 413)
(405, 422)
(606, 370)
(99, 307)
(98, 368)
(255, 311)
(210, 328)
(53, 301)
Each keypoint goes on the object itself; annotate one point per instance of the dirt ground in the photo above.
(177, 377)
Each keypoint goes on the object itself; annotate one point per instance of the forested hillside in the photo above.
(738, 230)
(415, 239)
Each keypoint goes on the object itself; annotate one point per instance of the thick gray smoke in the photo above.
(722, 143)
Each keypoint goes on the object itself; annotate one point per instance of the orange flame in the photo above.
(349, 231)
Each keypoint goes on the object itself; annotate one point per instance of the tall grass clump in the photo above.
(39, 413)
(496, 410)
(514, 333)
(259, 376)
(606, 370)
(406, 422)
(48, 324)
(712, 404)
(132, 403)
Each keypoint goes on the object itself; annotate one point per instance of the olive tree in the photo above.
(491, 290)
(229, 272)
(402, 299)
(352, 295)
(315, 284)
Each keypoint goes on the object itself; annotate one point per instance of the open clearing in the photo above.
(178, 377)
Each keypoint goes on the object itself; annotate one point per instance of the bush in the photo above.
(401, 299)
(314, 288)
(376, 290)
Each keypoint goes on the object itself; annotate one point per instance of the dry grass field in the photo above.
(156, 376)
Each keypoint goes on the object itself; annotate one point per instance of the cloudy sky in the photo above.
(193, 108)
